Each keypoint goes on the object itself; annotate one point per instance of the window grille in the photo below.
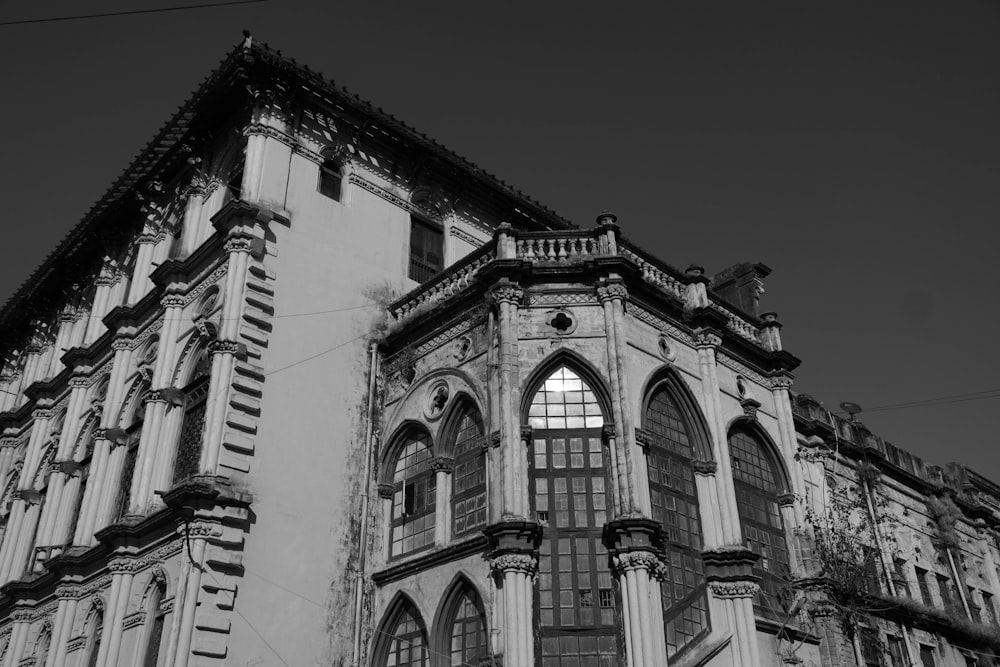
(575, 603)
(189, 447)
(469, 492)
(757, 490)
(414, 498)
(675, 506)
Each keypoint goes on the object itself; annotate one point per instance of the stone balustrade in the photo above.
(562, 248)
(654, 273)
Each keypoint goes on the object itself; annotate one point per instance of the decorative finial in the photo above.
(247, 39)
(607, 218)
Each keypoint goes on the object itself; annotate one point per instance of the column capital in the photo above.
(239, 243)
(443, 464)
(526, 433)
(79, 381)
(638, 560)
(786, 499)
(611, 292)
(173, 301)
(643, 438)
(386, 490)
(781, 381)
(70, 592)
(505, 292)
(727, 590)
(225, 347)
(43, 413)
(608, 431)
(707, 338)
(704, 467)
(122, 343)
(124, 565)
(8, 441)
(22, 615)
(491, 441)
(514, 562)
(153, 396)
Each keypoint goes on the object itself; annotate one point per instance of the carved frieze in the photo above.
(734, 589)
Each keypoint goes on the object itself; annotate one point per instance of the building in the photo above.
(306, 388)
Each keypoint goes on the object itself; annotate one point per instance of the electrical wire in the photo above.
(130, 12)
(318, 354)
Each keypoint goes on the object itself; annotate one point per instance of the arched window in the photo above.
(414, 497)
(330, 179)
(755, 476)
(467, 630)
(469, 485)
(42, 646)
(84, 456)
(674, 501)
(402, 642)
(189, 446)
(153, 628)
(426, 249)
(132, 434)
(575, 600)
(95, 626)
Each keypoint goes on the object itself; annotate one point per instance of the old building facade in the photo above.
(305, 388)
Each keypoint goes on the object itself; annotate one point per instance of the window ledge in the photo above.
(447, 554)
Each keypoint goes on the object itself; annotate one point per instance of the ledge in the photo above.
(441, 556)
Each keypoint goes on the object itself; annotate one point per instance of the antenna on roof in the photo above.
(851, 409)
(247, 39)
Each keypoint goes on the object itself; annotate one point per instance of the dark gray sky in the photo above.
(851, 146)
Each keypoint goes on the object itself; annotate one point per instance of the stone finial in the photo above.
(607, 218)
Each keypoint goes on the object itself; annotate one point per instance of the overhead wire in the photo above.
(128, 12)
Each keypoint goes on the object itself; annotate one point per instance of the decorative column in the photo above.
(143, 265)
(740, 592)
(64, 333)
(224, 351)
(192, 585)
(443, 466)
(57, 478)
(515, 573)
(634, 544)
(34, 355)
(62, 630)
(190, 236)
(102, 488)
(122, 571)
(506, 296)
(612, 295)
(22, 619)
(780, 386)
(150, 441)
(386, 491)
(99, 308)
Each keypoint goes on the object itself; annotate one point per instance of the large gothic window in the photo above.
(413, 498)
(575, 601)
(403, 641)
(755, 476)
(469, 492)
(133, 432)
(675, 506)
(466, 628)
(153, 630)
(193, 425)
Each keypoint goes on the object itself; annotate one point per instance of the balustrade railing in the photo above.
(653, 272)
(566, 247)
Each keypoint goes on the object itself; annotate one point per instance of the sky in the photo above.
(850, 146)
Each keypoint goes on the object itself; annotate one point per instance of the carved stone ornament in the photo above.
(124, 565)
(561, 321)
(43, 413)
(443, 463)
(69, 592)
(22, 615)
(224, 347)
(132, 620)
(666, 349)
(632, 560)
(464, 348)
(79, 381)
(505, 293)
(494, 439)
(386, 491)
(707, 338)
(612, 291)
(643, 438)
(145, 372)
(238, 244)
(733, 589)
(172, 301)
(786, 499)
(781, 382)
(608, 431)
(436, 400)
(153, 396)
(704, 467)
(750, 407)
(525, 563)
(526, 431)
(122, 343)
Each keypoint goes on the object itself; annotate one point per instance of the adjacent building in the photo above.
(306, 388)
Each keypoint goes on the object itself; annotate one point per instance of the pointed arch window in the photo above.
(94, 629)
(153, 631)
(403, 641)
(188, 455)
(755, 476)
(84, 456)
(132, 435)
(468, 631)
(42, 646)
(469, 482)
(414, 497)
(575, 602)
(674, 499)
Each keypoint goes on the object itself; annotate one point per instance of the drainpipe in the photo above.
(959, 583)
(359, 591)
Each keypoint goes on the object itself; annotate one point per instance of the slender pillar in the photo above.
(102, 293)
(69, 600)
(516, 572)
(185, 622)
(740, 594)
(141, 494)
(505, 297)
(63, 335)
(143, 265)
(635, 570)
(122, 570)
(612, 296)
(190, 235)
(443, 467)
(22, 619)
